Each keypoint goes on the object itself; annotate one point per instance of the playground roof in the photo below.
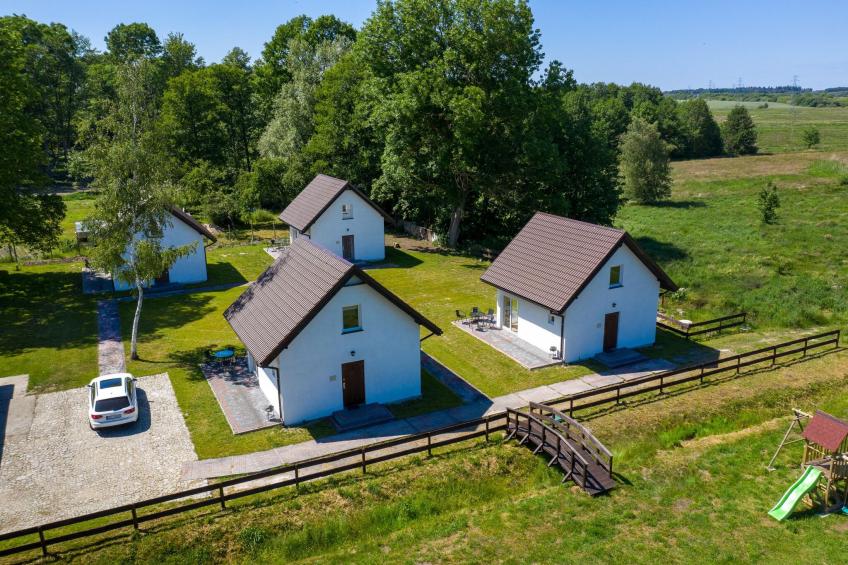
(826, 430)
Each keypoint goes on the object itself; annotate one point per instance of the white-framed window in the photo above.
(347, 211)
(615, 276)
(351, 319)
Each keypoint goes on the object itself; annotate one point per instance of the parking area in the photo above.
(58, 467)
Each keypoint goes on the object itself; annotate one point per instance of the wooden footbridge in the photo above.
(572, 447)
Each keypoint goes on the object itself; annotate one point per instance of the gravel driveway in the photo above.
(61, 468)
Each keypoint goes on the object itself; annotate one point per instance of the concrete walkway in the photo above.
(478, 405)
(110, 349)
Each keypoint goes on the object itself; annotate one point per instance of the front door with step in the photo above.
(347, 247)
(353, 383)
(610, 331)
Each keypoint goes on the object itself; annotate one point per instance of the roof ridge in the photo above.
(584, 222)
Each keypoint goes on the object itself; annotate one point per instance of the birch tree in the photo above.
(130, 167)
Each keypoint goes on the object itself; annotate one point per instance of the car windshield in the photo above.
(109, 404)
(110, 383)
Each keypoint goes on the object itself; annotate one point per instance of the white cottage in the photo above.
(322, 335)
(334, 213)
(576, 289)
(180, 229)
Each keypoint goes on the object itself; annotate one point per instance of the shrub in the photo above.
(768, 202)
(810, 137)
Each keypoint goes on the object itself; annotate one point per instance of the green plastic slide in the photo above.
(796, 492)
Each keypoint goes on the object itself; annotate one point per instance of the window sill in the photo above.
(352, 331)
(348, 218)
(616, 286)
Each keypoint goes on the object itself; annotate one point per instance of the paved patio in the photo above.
(522, 352)
(237, 391)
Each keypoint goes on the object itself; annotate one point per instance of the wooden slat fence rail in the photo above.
(354, 459)
(708, 326)
(615, 393)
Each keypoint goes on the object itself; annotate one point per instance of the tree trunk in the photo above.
(456, 220)
(134, 342)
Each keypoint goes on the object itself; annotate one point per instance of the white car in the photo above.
(112, 401)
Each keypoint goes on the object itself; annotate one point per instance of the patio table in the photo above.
(223, 355)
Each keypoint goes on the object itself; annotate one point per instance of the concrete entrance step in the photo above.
(361, 416)
(620, 357)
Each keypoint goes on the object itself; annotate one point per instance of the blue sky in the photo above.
(669, 44)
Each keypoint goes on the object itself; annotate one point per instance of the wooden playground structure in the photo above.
(825, 440)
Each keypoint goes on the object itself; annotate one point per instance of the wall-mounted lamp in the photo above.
(613, 304)
(352, 353)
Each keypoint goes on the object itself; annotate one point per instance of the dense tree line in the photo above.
(438, 109)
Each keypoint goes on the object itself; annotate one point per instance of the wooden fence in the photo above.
(616, 392)
(130, 515)
(688, 330)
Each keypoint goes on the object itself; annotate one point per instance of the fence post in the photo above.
(362, 451)
(43, 541)
(134, 518)
(571, 407)
(223, 501)
(429, 444)
(297, 477)
(773, 355)
(617, 394)
(738, 364)
(487, 426)
(702, 374)
(662, 383)
(806, 343)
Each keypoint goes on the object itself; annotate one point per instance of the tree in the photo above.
(131, 169)
(127, 42)
(452, 84)
(235, 94)
(27, 217)
(703, 136)
(292, 123)
(178, 55)
(644, 163)
(810, 136)
(55, 65)
(768, 202)
(191, 118)
(739, 132)
(272, 70)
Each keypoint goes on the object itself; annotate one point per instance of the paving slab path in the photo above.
(110, 348)
(477, 406)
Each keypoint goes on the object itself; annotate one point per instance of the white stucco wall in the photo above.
(366, 227)
(636, 301)
(267, 382)
(311, 366)
(188, 269)
(533, 325)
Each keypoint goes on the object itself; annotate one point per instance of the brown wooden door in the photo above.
(347, 247)
(610, 331)
(164, 278)
(353, 383)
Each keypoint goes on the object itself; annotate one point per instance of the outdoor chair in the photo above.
(460, 315)
(490, 317)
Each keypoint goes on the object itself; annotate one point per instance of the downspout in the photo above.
(431, 334)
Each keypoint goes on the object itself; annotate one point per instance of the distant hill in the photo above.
(794, 95)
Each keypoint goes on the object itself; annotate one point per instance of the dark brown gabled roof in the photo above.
(186, 218)
(553, 258)
(826, 430)
(284, 299)
(316, 198)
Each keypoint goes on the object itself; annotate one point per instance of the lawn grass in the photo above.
(710, 239)
(235, 264)
(437, 284)
(49, 328)
(692, 487)
(779, 126)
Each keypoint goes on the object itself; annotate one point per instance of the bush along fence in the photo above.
(691, 329)
(132, 515)
(660, 382)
